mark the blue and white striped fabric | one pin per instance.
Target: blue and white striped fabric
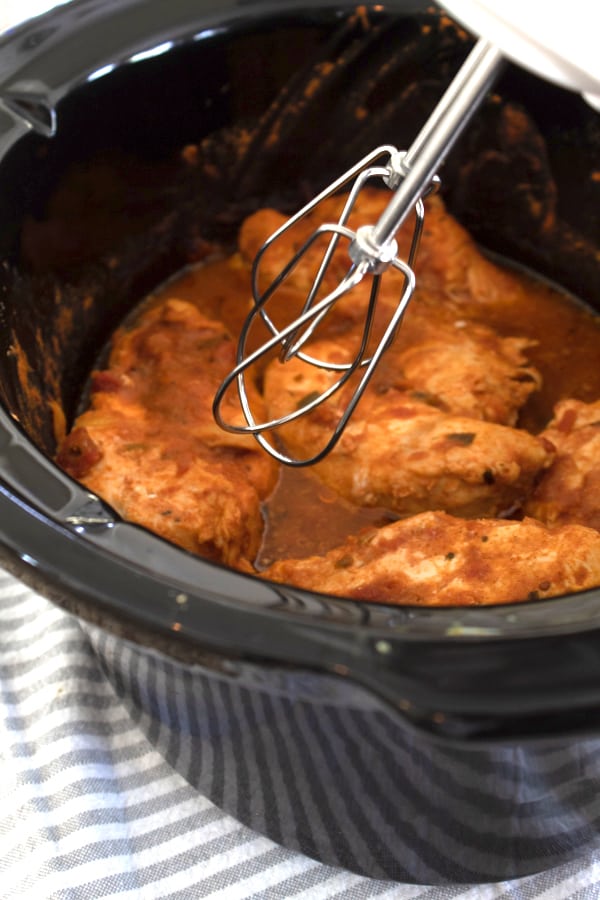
(102, 792)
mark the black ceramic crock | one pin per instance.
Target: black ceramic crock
(103, 96)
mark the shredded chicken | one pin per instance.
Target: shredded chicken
(439, 560)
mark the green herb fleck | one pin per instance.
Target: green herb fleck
(463, 438)
(307, 399)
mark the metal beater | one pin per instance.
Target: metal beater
(372, 249)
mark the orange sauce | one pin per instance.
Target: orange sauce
(303, 517)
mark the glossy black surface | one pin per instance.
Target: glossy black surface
(124, 86)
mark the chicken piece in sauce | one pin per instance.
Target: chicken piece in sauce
(466, 370)
(462, 365)
(150, 447)
(570, 489)
(448, 263)
(436, 560)
(404, 454)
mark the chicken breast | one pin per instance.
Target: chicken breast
(435, 559)
(150, 447)
(402, 453)
(470, 371)
(448, 263)
(570, 489)
(463, 366)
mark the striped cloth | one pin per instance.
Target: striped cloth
(102, 793)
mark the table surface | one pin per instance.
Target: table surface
(92, 808)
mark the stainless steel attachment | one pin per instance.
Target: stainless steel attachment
(371, 250)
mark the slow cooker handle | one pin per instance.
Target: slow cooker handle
(481, 692)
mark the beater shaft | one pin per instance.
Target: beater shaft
(438, 136)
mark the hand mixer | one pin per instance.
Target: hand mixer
(526, 33)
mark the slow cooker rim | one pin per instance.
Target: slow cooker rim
(437, 687)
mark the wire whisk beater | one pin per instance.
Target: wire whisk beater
(371, 250)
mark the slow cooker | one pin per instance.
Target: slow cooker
(422, 742)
